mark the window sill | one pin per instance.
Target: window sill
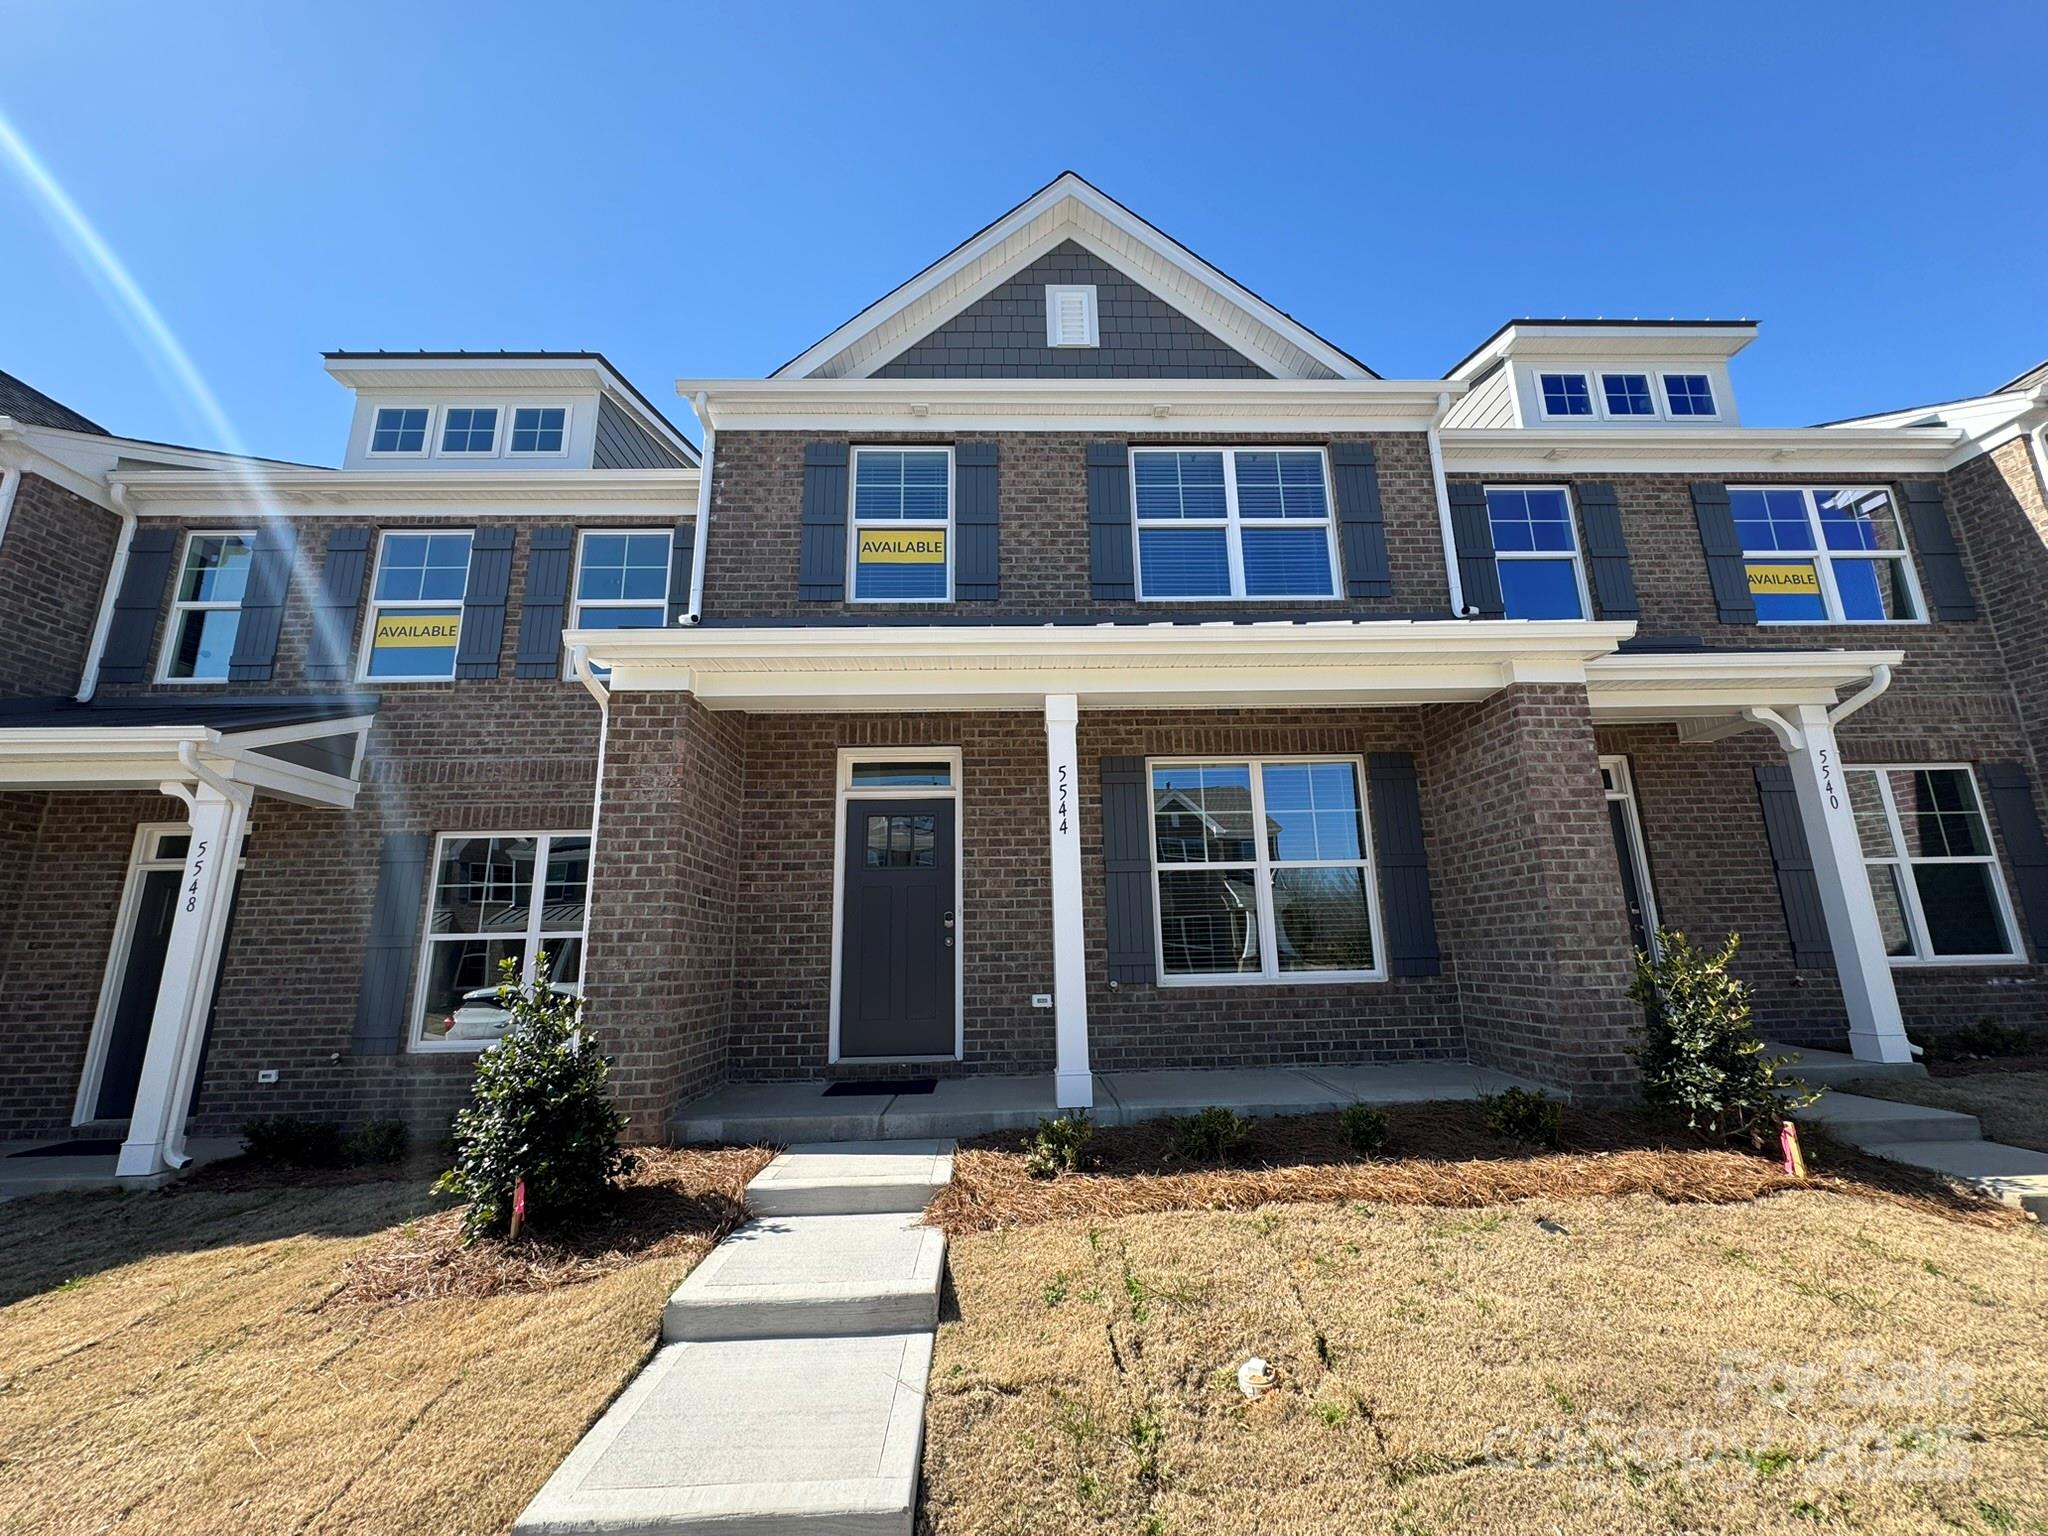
(449, 1047)
(1943, 962)
(1295, 979)
(1842, 623)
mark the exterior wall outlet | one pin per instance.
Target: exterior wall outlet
(267, 1075)
(1041, 999)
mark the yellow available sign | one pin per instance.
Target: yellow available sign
(417, 631)
(1783, 581)
(902, 546)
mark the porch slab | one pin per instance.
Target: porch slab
(852, 1178)
(797, 1276)
(1831, 1069)
(52, 1173)
(1860, 1121)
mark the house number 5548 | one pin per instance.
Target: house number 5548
(198, 870)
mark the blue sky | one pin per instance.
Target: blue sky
(707, 190)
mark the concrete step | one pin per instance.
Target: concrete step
(2015, 1175)
(751, 1436)
(792, 1276)
(1831, 1069)
(1860, 1121)
(851, 1177)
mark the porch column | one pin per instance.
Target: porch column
(1876, 1032)
(170, 1062)
(1073, 1083)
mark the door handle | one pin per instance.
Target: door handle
(949, 920)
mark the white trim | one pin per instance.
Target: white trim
(142, 861)
(577, 604)
(514, 489)
(146, 757)
(1662, 448)
(1073, 1081)
(1621, 789)
(843, 790)
(1823, 559)
(1233, 524)
(366, 646)
(426, 448)
(178, 608)
(1057, 294)
(1903, 863)
(853, 522)
(1576, 554)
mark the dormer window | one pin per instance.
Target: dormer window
(1689, 394)
(1070, 317)
(539, 428)
(399, 429)
(1628, 394)
(1565, 394)
(471, 429)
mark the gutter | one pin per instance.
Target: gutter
(700, 535)
(1869, 693)
(117, 573)
(1459, 608)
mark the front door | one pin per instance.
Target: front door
(142, 968)
(897, 996)
(1628, 852)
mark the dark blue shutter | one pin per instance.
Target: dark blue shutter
(334, 605)
(2012, 797)
(1613, 578)
(976, 561)
(1111, 565)
(263, 600)
(483, 603)
(821, 562)
(545, 602)
(1127, 871)
(682, 558)
(1722, 545)
(1472, 534)
(385, 997)
(1403, 865)
(138, 605)
(1805, 923)
(1934, 544)
(1361, 524)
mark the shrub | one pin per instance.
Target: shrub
(1699, 1052)
(541, 1111)
(289, 1141)
(378, 1141)
(1365, 1128)
(1526, 1116)
(1216, 1135)
(1059, 1144)
(1985, 1038)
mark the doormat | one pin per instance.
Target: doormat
(106, 1148)
(881, 1087)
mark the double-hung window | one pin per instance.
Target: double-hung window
(206, 609)
(1262, 871)
(1233, 523)
(539, 429)
(1933, 868)
(399, 429)
(1536, 550)
(416, 607)
(1565, 394)
(512, 897)
(902, 519)
(1826, 554)
(470, 430)
(622, 579)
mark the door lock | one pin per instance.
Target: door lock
(949, 920)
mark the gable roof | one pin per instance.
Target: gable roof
(1069, 208)
(2038, 374)
(30, 407)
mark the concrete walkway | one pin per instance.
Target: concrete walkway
(788, 1392)
(25, 1169)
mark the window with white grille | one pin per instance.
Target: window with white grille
(1070, 315)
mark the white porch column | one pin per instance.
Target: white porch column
(1876, 1031)
(170, 1062)
(1073, 1083)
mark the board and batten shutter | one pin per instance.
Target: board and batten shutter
(483, 603)
(125, 658)
(1722, 545)
(1472, 534)
(1941, 560)
(1361, 522)
(385, 995)
(545, 604)
(682, 567)
(1112, 566)
(2012, 798)
(977, 564)
(821, 559)
(1805, 923)
(1402, 864)
(1127, 871)
(1607, 562)
(263, 600)
(335, 603)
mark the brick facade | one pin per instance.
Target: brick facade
(53, 567)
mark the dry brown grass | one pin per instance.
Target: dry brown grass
(2013, 1106)
(203, 1361)
(1439, 1154)
(1433, 1363)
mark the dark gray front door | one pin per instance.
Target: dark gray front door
(896, 994)
(135, 1004)
(1631, 880)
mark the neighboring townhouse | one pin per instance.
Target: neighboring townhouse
(1070, 662)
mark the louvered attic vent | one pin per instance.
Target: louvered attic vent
(1070, 315)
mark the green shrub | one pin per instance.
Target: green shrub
(378, 1141)
(1698, 1050)
(1216, 1135)
(1526, 1116)
(1365, 1128)
(1059, 1144)
(541, 1111)
(290, 1141)
(1987, 1038)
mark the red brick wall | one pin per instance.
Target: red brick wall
(53, 566)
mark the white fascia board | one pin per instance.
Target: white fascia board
(1729, 450)
(290, 492)
(1665, 686)
(30, 450)
(144, 756)
(1608, 343)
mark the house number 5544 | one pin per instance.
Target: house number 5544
(1060, 801)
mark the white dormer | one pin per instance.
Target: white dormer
(500, 411)
(1577, 374)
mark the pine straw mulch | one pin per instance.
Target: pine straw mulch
(1439, 1154)
(677, 1203)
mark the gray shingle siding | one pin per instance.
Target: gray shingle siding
(1002, 334)
(622, 443)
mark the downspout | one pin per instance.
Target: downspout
(579, 662)
(116, 574)
(1443, 508)
(1880, 679)
(700, 535)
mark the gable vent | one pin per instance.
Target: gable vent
(1070, 315)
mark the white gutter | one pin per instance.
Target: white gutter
(701, 534)
(1443, 508)
(116, 574)
(579, 666)
(1880, 679)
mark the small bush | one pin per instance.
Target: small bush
(378, 1141)
(1059, 1144)
(1365, 1128)
(1216, 1135)
(1987, 1039)
(1523, 1115)
(541, 1111)
(1699, 1051)
(290, 1141)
